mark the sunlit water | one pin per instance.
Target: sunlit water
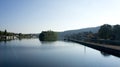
(33, 53)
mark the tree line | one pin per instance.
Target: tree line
(5, 34)
(106, 32)
(109, 32)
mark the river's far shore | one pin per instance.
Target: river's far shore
(110, 49)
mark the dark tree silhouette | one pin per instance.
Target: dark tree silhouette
(48, 36)
(5, 32)
(105, 31)
(0, 33)
(20, 34)
(116, 32)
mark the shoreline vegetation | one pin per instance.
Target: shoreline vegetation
(106, 39)
(107, 34)
(6, 36)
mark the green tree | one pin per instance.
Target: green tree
(5, 32)
(42, 36)
(105, 31)
(0, 33)
(48, 36)
(20, 34)
(116, 32)
(10, 34)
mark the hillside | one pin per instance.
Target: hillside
(69, 32)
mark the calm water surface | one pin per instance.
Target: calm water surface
(33, 53)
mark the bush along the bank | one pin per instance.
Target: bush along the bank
(48, 36)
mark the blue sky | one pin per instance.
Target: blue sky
(33, 16)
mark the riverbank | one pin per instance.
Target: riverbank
(110, 49)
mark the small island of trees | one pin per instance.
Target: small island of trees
(48, 36)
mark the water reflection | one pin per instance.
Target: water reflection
(105, 54)
(52, 45)
(4, 42)
(47, 42)
(85, 49)
(35, 53)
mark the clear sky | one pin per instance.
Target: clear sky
(33, 16)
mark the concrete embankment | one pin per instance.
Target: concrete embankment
(110, 49)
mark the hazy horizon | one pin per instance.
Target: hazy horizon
(34, 16)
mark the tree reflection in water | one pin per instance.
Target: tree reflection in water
(105, 54)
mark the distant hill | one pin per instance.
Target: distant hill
(69, 32)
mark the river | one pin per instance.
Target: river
(34, 53)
